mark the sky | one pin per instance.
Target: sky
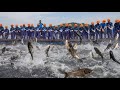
(55, 18)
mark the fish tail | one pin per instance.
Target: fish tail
(31, 55)
(66, 75)
(102, 57)
(117, 61)
(47, 55)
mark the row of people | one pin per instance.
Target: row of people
(92, 31)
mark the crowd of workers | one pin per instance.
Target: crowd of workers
(97, 30)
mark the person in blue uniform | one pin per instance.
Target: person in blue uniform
(70, 32)
(86, 31)
(98, 30)
(1, 30)
(40, 24)
(116, 27)
(28, 31)
(64, 31)
(82, 31)
(66, 35)
(44, 29)
(56, 33)
(49, 32)
(6, 32)
(76, 28)
(92, 31)
(16, 31)
(12, 31)
(32, 31)
(103, 29)
(109, 26)
(24, 32)
(119, 28)
(37, 32)
(61, 31)
(21, 31)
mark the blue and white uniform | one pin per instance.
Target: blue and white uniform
(1, 31)
(6, 33)
(12, 32)
(109, 26)
(98, 30)
(76, 30)
(103, 30)
(92, 32)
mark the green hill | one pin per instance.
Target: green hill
(72, 23)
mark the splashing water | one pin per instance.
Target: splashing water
(59, 58)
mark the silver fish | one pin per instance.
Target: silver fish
(80, 72)
(112, 57)
(30, 47)
(71, 50)
(47, 50)
(98, 52)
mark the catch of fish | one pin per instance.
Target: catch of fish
(35, 60)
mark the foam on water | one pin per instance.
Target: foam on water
(59, 58)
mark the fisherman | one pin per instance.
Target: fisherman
(1, 30)
(21, 31)
(67, 36)
(6, 32)
(109, 28)
(24, 32)
(92, 31)
(116, 27)
(97, 30)
(32, 31)
(51, 32)
(56, 32)
(82, 30)
(70, 32)
(28, 31)
(65, 31)
(12, 31)
(103, 29)
(48, 33)
(40, 24)
(37, 32)
(16, 31)
(61, 31)
(44, 29)
(76, 28)
(86, 31)
(119, 28)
